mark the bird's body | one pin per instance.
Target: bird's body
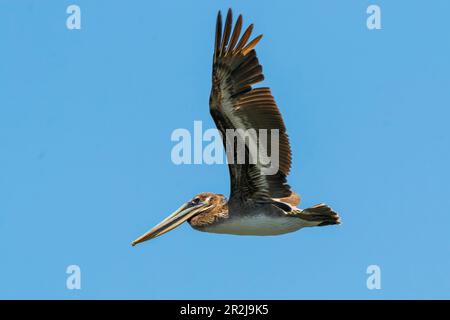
(256, 219)
(259, 224)
(263, 222)
(261, 202)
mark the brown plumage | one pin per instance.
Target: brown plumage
(218, 211)
(293, 199)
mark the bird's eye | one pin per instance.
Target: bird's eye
(195, 201)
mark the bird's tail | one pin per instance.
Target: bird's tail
(320, 215)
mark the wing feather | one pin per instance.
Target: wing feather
(226, 32)
(235, 36)
(244, 38)
(235, 104)
(218, 37)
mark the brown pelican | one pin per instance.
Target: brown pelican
(259, 204)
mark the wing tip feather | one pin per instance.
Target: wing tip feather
(228, 40)
(251, 45)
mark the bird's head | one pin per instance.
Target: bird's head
(205, 208)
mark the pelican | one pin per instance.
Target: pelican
(259, 204)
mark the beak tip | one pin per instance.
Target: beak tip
(175, 219)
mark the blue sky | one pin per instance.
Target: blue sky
(85, 123)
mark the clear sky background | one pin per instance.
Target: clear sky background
(85, 123)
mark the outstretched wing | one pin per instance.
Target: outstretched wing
(235, 104)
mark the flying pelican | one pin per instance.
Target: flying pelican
(258, 204)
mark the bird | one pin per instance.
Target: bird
(259, 204)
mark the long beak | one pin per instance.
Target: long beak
(185, 212)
